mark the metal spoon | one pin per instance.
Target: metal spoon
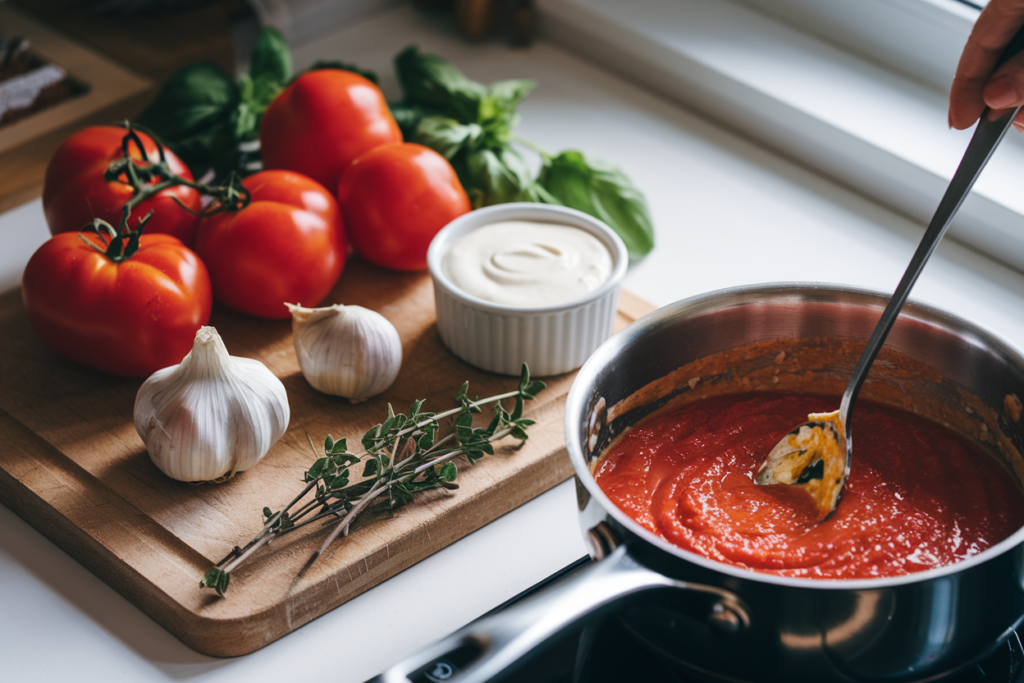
(817, 454)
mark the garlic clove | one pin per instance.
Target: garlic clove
(212, 415)
(347, 351)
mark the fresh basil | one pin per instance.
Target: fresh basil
(203, 115)
(192, 114)
(429, 81)
(471, 125)
(271, 61)
(491, 173)
(602, 191)
(447, 136)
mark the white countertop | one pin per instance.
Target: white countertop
(727, 213)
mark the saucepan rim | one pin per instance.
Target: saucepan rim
(577, 404)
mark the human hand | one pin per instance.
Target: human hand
(978, 84)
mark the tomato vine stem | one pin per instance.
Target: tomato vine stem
(148, 178)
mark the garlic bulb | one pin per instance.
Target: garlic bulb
(212, 415)
(347, 351)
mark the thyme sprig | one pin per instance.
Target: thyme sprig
(402, 456)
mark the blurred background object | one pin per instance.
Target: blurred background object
(128, 8)
(28, 83)
(155, 38)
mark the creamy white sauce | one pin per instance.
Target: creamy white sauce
(528, 263)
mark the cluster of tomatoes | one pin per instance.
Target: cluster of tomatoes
(338, 174)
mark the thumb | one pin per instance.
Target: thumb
(1005, 89)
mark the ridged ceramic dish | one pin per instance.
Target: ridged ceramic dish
(500, 338)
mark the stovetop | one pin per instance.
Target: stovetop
(602, 651)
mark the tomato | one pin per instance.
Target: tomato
(127, 318)
(75, 192)
(394, 199)
(322, 122)
(288, 245)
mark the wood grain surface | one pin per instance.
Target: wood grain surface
(73, 466)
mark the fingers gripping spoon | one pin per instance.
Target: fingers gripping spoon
(817, 454)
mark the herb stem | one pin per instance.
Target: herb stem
(544, 154)
(403, 456)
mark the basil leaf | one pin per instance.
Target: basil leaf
(518, 169)
(497, 113)
(271, 60)
(604, 192)
(446, 136)
(408, 117)
(192, 114)
(344, 66)
(269, 71)
(430, 81)
(494, 176)
(508, 94)
(535, 192)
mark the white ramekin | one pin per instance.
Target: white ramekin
(499, 338)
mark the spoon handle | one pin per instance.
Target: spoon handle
(986, 137)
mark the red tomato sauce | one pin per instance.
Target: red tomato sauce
(919, 496)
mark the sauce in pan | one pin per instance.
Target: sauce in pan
(919, 496)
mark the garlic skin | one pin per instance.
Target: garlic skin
(212, 415)
(347, 351)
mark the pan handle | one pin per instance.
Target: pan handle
(488, 646)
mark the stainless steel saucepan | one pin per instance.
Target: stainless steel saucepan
(722, 622)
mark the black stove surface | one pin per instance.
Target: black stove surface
(602, 651)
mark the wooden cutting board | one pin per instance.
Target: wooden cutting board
(73, 466)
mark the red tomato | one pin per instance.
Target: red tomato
(322, 122)
(287, 245)
(395, 199)
(74, 191)
(128, 319)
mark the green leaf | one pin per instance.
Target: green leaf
(408, 117)
(429, 81)
(533, 388)
(604, 192)
(271, 60)
(193, 115)
(217, 579)
(517, 412)
(449, 471)
(344, 66)
(316, 470)
(269, 71)
(489, 180)
(524, 376)
(414, 409)
(535, 192)
(371, 468)
(508, 94)
(446, 136)
(328, 444)
(267, 514)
